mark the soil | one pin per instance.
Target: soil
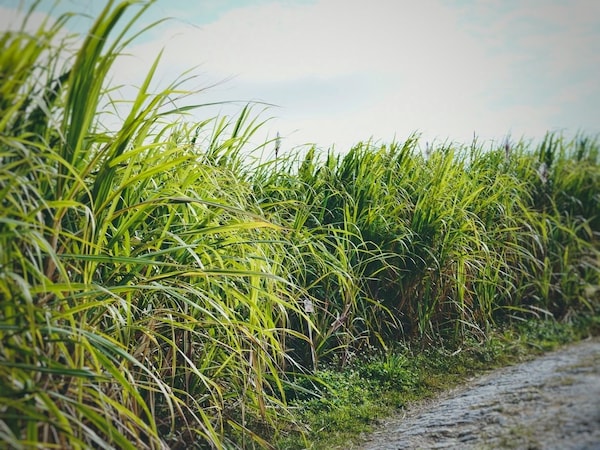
(551, 402)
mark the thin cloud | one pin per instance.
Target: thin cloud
(407, 61)
(345, 70)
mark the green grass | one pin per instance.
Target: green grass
(154, 276)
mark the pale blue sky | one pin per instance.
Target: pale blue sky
(341, 71)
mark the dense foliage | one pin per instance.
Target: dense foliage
(158, 287)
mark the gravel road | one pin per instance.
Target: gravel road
(552, 402)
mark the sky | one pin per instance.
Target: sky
(337, 72)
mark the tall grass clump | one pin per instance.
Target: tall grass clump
(141, 302)
(397, 243)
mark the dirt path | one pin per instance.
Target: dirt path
(552, 402)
